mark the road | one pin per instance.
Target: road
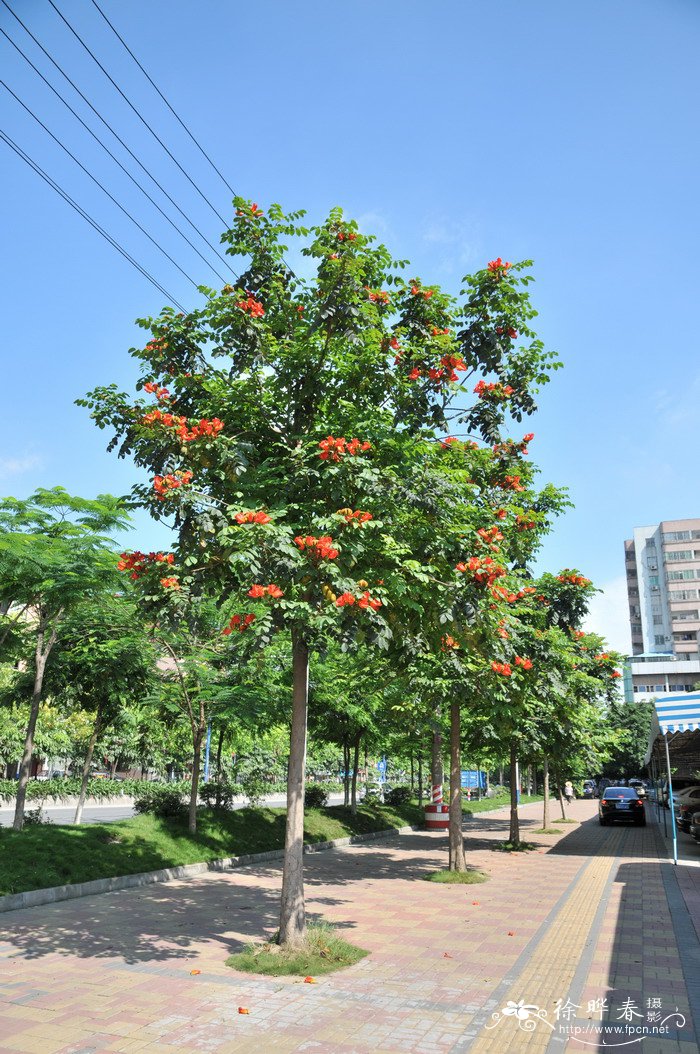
(110, 813)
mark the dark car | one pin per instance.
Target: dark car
(621, 803)
(685, 813)
(590, 789)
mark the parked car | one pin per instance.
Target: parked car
(679, 783)
(602, 785)
(687, 796)
(639, 785)
(590, 790)
(695, 826)
(621, 803)
(685, 811)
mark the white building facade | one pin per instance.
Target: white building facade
(662, 565)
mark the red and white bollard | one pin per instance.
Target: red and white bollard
(437, 815)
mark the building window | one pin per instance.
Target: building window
(685, 616)
(659, 638)
(679, 554)
(676, 536)
(677, 576)
(683, 594)
(658, 620)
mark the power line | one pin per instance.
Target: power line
(116, 135)
(86, 216)
(157, 89)
(137, 112)
(97, 182)
(108, 151)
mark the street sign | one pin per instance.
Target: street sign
(473, 779)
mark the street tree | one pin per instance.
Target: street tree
(290, 421)
(55, 551)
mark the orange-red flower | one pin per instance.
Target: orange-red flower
(251, 306)
(355, 517)
(334, 449)
(498, 267)
(569, 578)
(319, 548)
(240, 623)
(164, 485)
(501, 667)
(252, 516)
(256, 591)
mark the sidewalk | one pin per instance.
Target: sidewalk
(591, 919)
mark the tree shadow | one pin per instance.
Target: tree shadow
(160, 923)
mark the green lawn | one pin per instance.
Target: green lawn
(487, 804)
(54, 855)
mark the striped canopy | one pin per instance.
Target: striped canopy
(678, 713)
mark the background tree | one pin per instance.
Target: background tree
(104, 660)
(54, 553)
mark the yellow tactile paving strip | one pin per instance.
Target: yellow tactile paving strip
(548, 975)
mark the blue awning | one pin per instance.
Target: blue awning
(678, 713)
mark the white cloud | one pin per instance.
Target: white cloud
(15, 466)
(608, 615)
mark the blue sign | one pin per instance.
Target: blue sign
(381, 765)
(473, 779)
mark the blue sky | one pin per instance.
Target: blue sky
(458, 131)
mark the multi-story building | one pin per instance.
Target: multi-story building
(662, 565)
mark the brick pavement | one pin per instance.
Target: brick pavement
(585, 917)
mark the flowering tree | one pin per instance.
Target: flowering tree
(287, 441)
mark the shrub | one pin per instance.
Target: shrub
(316, 795)
(35, 817)
(217, 794)
(398, 796)
(373, 794)
(164, 801)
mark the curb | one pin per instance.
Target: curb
(34, 898)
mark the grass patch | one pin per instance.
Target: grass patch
(322, 952)
(464, 878)
(511, 847)
(56, 855)
(567, 820)
(470, 808)
(546, 830)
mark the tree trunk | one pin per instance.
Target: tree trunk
(346, 771)
(412, 780)
(197, 737)
(545, 793)
(292, 913)
(436, 766)
(41, 655)
(88, 763)
(514, 836)
(219, 747)
(113, 767)
(500, 775)
(420, 780)
(355, 765)
(457, 861)
(560, 793)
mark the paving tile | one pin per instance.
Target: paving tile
(590, 917)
